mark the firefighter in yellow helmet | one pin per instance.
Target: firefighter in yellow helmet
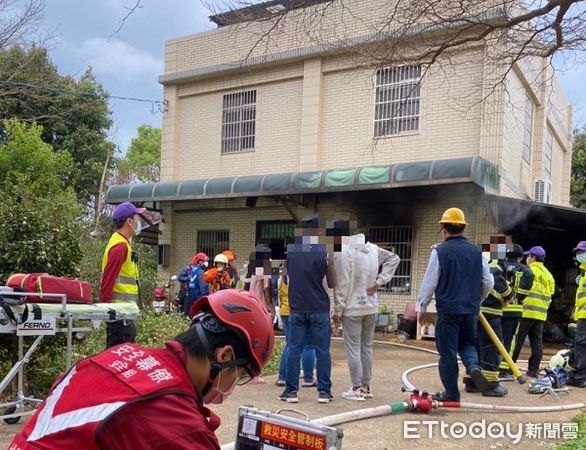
(460, 278)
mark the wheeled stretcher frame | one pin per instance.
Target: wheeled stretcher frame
(12, 411)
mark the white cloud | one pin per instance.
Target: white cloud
(119, 60)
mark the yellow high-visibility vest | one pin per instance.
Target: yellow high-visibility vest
(580, 310)
(126, 285)
(284, 300)
(538, 300)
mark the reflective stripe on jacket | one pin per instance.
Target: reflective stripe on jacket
(126, 285)
(521, 279)
(72, 415)
(537, 302)
(499, 295)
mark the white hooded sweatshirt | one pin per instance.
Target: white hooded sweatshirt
(357, 268)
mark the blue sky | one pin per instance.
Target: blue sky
(129, 63)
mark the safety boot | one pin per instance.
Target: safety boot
(479, 380)
(470, 387)
(495, 390)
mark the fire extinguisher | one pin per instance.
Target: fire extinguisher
(161, 303)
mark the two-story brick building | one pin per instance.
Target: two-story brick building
(256, 137)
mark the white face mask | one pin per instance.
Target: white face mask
(138, 228)
(581, 257)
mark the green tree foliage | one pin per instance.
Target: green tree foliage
(578, 186)
(41, 220)
(74, 113)
(143, 160)
(49, 360)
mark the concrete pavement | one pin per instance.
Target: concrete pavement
(388, 432)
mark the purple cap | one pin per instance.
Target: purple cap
(536, 251)
(125, 210)
(581, 247)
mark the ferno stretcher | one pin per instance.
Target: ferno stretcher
(47, 320)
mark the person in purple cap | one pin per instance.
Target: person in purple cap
(120, 271)
(578, 355)
(535, 308)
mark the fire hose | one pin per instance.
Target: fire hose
(419, 401)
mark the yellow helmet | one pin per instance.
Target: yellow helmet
(453, 215)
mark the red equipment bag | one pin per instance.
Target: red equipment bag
(77, 291)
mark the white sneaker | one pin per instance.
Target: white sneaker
(366, 392)
(354, 394)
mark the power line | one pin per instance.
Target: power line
(161, 105)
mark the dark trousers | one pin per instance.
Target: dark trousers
(490, 358)
(509, 325)
(306, 328)
(578, 355)
(534, 329)
(119, 332)
(455, 334)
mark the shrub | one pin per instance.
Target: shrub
(49, 359)
(580, 442)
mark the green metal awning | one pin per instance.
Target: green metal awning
(472, 170)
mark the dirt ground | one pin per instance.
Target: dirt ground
(390, 431)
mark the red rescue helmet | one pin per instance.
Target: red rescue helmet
(201, 256)
(242, 311)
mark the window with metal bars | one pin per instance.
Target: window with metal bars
(238, 121)
(398, 240)
(397, 101)
(213, 242)
(528, 129)
(276, 234)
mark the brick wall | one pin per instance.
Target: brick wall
(241, 221)
(299, 29)
(199, 132)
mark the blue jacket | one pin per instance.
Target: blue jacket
(192, 276)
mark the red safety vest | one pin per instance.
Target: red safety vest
(98, 387)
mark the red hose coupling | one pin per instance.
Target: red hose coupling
(421, 402)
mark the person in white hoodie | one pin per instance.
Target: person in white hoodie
(362, 268)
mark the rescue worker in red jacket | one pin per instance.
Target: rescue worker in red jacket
(120, 270)
(134, 397)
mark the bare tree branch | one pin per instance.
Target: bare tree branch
(19, 23)
(453, 24)
(131, 10)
